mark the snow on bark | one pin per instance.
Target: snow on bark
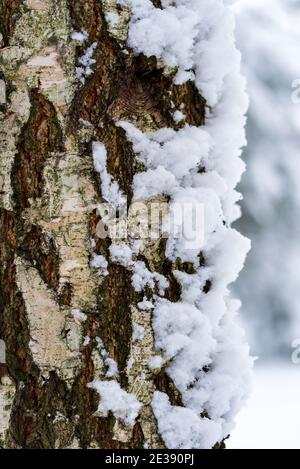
(109, 188)
(123, 405)
(208, 359)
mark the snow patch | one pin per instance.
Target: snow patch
(138, 332)
(99, 263)
(87, 341)
(80, 36)
(110, 363)
(143, 277)
(110, 188)
(145, 304)
(121, 254)
(181, 428)
(85, 63)
(79, 315)
(112, 18)
(123, 405)
(156, 362)
(178, 116)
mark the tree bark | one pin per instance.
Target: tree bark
(48, 194)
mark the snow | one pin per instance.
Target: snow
(110, 363)
(191, 431)
(99, 262)
(110, 188)
(80, 36)
(87, 341)
(193, 216)
(191, 36)
(207, 366)
(138, 332)
(121, 254)
(209, 359)
(123, 405)
(271, 418)
(84, 68)
(112, 367)
(145, 304)
(112, 18)
(143, 277)
(153, 182)
(178, 116)
(184, 335)
(79, 315)
(163, 149)
(86, 61)
(130, 363)
(156, 362)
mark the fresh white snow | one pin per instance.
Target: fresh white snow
(79, 315)
(80, 36)
(110, 363)
(181, 428)
(143, 277)
(121, 254)
(86, 61)
(110, 188)
(123, 405)
(100, 263)
(138, 332)
(178, 116)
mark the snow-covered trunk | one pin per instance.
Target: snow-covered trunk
(109, 343)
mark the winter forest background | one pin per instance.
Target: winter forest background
(268, 35)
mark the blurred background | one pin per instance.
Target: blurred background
(268, 35)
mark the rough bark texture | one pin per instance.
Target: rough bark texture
(48, 193)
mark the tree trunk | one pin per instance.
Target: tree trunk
(62, 320)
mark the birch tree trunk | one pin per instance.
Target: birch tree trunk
(49, 191)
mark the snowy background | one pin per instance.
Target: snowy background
(268, 35)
